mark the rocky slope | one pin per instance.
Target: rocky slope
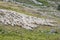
(13, 18)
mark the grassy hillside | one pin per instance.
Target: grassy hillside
(44, 2)
(21, 9)
(8, 32)
(18, 33)
(18, 8)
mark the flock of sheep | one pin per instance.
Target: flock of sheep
(8, 17)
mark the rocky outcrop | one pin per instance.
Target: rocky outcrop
(36, 2)
(13, 18)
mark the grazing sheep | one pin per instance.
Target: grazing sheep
(14, 18)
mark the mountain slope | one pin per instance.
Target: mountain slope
(41, 32)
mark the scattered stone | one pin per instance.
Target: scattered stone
(53, 31)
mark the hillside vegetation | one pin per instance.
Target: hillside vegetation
(18, 8)
(42, 32)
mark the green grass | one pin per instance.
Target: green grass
(10, 33)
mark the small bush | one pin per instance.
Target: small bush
(58, 7)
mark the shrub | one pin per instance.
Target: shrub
(58, 7)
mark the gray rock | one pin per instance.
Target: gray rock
(53, 31)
